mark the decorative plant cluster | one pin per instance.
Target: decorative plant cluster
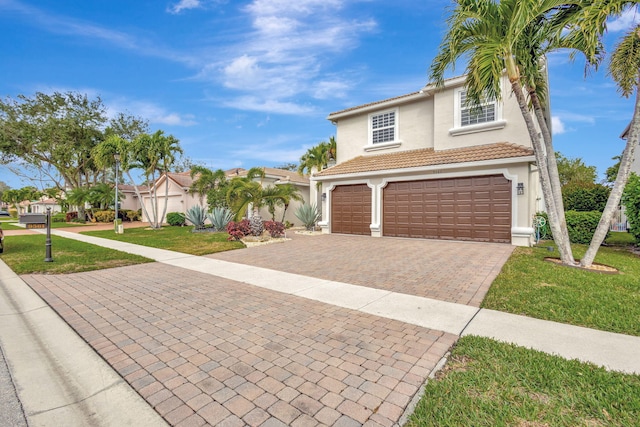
(176, 219)
(238, 230)
(275, 228)
(71, 216)
(104, 216)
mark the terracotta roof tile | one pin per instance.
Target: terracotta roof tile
(427, 157)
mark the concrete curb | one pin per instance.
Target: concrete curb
(59, 379)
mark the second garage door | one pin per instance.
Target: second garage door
(351, 209)
(473, 208)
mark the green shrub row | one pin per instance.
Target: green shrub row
(585, 198)
(581, 225)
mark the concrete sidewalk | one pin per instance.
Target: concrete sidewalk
(42, 351)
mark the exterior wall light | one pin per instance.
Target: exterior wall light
(520, 188)
(324, 197)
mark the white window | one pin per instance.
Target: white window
(467, 119)
(483, 113)
(383, 127)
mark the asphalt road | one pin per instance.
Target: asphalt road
(10, 408)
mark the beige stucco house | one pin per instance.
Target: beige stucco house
(180, 200)
(423, 165)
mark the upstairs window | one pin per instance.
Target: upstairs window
(483, 113)
(383, 127)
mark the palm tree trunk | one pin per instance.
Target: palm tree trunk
(538, 150)
(552, 166)
(166, 198)
(618, 187)
(137, 190)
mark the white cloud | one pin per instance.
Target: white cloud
(254, 103)
(155, 114)
(286, 53)
(625, 21)
(557, 126)
(184, 5)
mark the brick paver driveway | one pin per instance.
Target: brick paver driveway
(459, 272)
(206, 350)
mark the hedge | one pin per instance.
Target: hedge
(581, 225)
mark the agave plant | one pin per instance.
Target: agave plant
(309, 215)
(220, 218)
(196, 215)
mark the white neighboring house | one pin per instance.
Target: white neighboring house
(274, 176)
(179, 199)
(40, 206)
(424, 165)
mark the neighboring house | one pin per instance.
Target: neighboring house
(40, 206)
(275, 176)
(423, 165)
(128, 197)
(179, 199)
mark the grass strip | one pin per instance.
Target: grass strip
(488, 383)
(25, 255)
(179, 239)
(530, 286)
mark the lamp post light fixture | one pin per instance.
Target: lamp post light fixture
(116, 223)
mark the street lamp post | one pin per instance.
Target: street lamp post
(116, 222)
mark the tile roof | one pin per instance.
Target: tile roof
(427, 157)
(282, 174)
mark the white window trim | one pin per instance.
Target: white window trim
(387, 144)
(458, 129)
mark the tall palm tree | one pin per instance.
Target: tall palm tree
(497, 38)
(243, 193)
(624, 68)
(287, 193)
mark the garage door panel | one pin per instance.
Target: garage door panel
(475, 208)
(351, 209)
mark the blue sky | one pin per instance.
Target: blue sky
(250, 83)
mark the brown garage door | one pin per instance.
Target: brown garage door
(475, 208)
(351, 209)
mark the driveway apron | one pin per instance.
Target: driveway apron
(203, 349)
(452, 271)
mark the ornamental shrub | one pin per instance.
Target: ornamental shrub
(176, 219)
(631, 202)
(585, 197)
(59, 217)
(70, 216)
(132, 215)
(238, 230)
(104, 216)
(581, 225)
(275, 228)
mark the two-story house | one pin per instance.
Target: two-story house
(425, 165)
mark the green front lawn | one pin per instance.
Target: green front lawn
(487, 383)
(530, 286)
(25, 254)
(179, 239)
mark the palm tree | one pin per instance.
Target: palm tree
(78, 196)
(624, 68)
(287, 193)
(513, 35)
(243, 193)
(315, 159)
(207, 182)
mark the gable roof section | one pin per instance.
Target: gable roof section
(427, 157)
